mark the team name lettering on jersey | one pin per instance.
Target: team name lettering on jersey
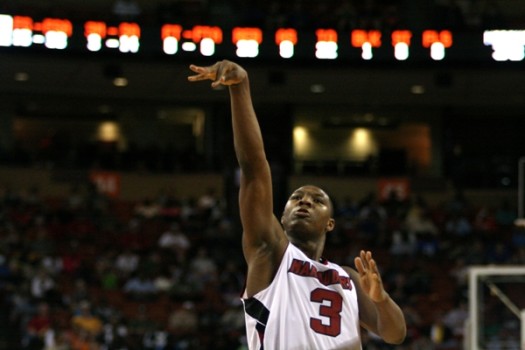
(331, 276)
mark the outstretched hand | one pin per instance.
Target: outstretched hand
(221, 73)
(369, 277)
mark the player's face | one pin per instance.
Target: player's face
(308, 209)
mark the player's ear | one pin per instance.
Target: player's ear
(330, 225)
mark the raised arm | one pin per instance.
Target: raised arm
(263, 238)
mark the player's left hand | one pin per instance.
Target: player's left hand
(369, 277)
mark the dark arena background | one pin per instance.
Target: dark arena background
(118, 180)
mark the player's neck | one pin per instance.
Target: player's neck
(312, 249)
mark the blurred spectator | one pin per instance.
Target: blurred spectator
(104, 309)
(440, 333)
(37, 328)
(106, 271)
(114, 334)
(458, 227)
(82, 340)
(498, 253)
(414, 327)
(78, 293)
(71, 259)
(426, 234)
(485, 221)
(53, 264)
(147, 209)
(402, 243)
(416, 205)
(459, 272)
(155, 340)
(175, 241)
(126, 263)
(170, 208)
(164, 281)
(207, 203)
(75, 200)
(59, 340)
(202, 268)
(135, 237)
(140, 287)
(455, 319)
(372, 217)
(140, 324)
(231, 282)
(184, 320)
(348, 208)
(109, 279)
(86, 325)
(22, 306)
(232, 320)
(400, 287)
(42, 286)
(395, 208)
(188, 210)
(185, 287)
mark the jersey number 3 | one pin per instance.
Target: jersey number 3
(332, 312)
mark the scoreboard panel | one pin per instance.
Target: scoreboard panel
(286, 44)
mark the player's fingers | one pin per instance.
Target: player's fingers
(196, 78)
(195, 68)
(359, 265)
(220, 80)
(372, 264)
(203, 73)
(220, 74)
(376, 288)
(365, 259)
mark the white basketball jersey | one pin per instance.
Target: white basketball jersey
(309, 305)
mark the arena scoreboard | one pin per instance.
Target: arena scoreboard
(324, 44)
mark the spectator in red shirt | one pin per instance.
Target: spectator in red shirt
(37, 327)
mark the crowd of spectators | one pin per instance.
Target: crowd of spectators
(87, 272)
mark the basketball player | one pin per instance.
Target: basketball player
(295, 299)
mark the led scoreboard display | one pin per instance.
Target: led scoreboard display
(23, 31)
(125, 37)
(172, 39)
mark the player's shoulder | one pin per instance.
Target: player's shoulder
(350, 270)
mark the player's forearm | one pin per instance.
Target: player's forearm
(391, 322)
(248, 142)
